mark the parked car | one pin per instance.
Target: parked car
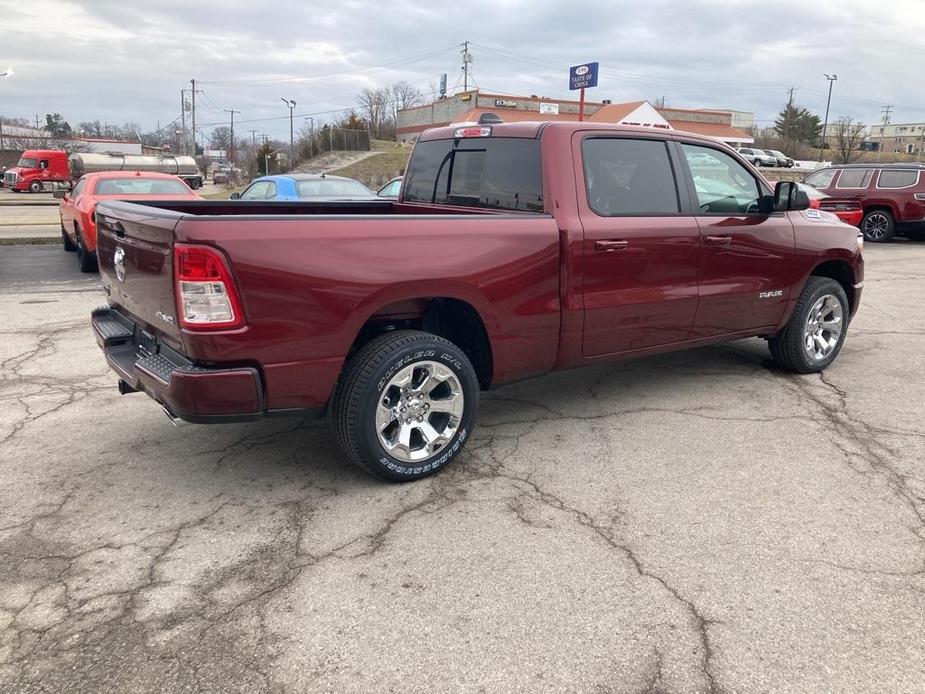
(782, 159)
(848, 211)
(892, 196)
(77, 207)
(222, 175)
(304, 186)
(391, 189)
(758, 157)
(513, 250)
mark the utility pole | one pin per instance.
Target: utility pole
(182, 143)
(790, 99)
(885, 115)
(467, 59)
(193, 112)
(311, 135)
(231, 150)
(825, 123)
(254, 139)
(290, 104)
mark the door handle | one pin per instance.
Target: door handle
(718, 240)
(610, 246)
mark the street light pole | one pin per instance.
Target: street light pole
(825, 123)
(290, 104)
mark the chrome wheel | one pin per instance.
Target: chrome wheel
(824, 326)
(876, 226)
(419, 411)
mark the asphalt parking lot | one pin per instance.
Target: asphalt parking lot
(685, 523)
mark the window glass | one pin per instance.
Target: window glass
(821, 179)
(625, 176)
(322, 188)
(140, 186)
(256, 191)
(853, 178)
(723, 186)
(390, 189)
(897, 179)
(26, 163)
(78, 189)
(495, 172)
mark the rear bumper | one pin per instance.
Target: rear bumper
(187, 391)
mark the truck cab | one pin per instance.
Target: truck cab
(38, 170)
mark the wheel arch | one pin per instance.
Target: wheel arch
(840, 271)
(451, 317)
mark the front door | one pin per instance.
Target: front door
(640, 252)
(747, 259)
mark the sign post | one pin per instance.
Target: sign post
(582, 77)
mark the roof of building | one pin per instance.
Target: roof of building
(513, 115)
(719, 130)
(614, 113)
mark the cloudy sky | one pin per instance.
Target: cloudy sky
(118, 61)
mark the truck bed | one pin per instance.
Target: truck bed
(312, 274)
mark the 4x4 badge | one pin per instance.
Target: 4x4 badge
(118, 263)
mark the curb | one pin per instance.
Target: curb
(39, 241)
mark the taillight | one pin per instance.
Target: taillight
(206, 295)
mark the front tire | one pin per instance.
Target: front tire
(35, 187)
(405, 405)
(878, 226)
(816, 331)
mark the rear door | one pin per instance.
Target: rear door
(747, 259)
(135, 254)
(640, 252)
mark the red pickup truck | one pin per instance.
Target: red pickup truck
(513, 250)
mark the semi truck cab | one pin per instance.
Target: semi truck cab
(38, 170)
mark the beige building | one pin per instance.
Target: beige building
(468, 106)
(908, 138)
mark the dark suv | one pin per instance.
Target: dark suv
(892, 196)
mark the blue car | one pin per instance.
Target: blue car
(305, 187)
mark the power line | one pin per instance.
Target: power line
(330, 76)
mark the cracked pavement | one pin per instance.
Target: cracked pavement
(694, 522)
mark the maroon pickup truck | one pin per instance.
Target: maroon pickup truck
(513, 250)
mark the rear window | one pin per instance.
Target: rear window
(628, 177)
(493, 172)
(140, 186)
(853, 178)
(332, 188)
(898, 179)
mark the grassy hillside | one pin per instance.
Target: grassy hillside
(375, 171)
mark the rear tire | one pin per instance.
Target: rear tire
(86, 260)
(66, 241)
(805, 345)
(401, 396)
(878, 226)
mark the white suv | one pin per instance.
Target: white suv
(757, 157)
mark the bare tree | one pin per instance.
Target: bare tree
(848, 136)
(404, 95)
(374, 106)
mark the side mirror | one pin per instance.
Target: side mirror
(788, 197)
(60, 194)
(234, 196)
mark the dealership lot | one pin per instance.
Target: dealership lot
(690, 522)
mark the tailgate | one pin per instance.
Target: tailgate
(134, 248)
